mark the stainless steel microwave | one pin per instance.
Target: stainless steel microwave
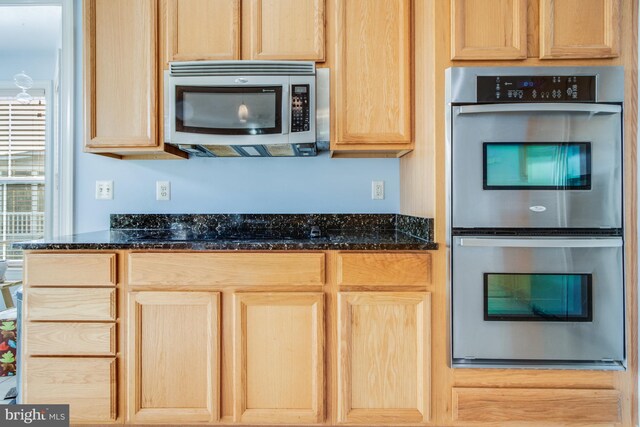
(242, 108)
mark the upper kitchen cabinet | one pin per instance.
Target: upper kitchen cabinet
(579, 29)
(488, 29)
(196, 30)
(249, 29)
(121, 79)
(371, 83)
(286, 30)
(567, 29)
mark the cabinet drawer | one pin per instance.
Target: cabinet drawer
(71, 339)
(502, 405)
(71, 304)
(88, 385)
(70, 269)
(201, 269)
(384, 269)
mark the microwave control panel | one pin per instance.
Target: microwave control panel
(300, 108)
(536, 88)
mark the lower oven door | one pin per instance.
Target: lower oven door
(535, 300)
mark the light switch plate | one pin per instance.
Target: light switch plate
(104, 190)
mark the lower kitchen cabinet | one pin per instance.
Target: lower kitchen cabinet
(87, 385)
(279, 358)
(384, 357)
(173, 369)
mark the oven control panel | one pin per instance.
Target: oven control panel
(300, 108)
(536, 88)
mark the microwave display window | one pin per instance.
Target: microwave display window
(537, 166)
(229, 110)
(537, 297)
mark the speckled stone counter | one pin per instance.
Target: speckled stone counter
(252, 232)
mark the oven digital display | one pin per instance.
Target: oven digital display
(536, 88)
(537, 297)
(537, 166)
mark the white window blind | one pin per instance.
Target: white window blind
(22, 171)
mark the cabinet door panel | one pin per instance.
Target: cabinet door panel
(383, 357)
(202, 30)
(121, 78)
(579, 28)
(373, 63)
(88, 385)
(175, 374)
(279, 347)
(287, 29)
(488, 29)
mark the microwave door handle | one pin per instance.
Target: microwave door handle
(286, 109)
(613, 242)
(531, 107)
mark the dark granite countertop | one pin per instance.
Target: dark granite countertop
(252, 232)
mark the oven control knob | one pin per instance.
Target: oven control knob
(537, 208)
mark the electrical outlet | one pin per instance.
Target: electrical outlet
(377, 190)
(163, 190)
(104, 190)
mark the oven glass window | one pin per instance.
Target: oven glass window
(537, 297)
(537, 166)
(229, 110)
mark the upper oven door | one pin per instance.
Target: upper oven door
(537, 166)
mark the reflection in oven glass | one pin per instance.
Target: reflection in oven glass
(537, 166)
(537, 297)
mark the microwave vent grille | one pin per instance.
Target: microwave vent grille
(235, 68)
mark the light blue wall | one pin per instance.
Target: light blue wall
(39, 65)
(321, 184)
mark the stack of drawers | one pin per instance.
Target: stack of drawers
(70, 333)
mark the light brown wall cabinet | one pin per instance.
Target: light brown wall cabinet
(567, 29)
(285, 30)
(579, 28)
(489, 29)
(128, 44)
(121, 81)
(248, 29)
(200, 29)
(371, 78)
(174, 376)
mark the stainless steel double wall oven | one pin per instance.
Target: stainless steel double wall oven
(536, 217)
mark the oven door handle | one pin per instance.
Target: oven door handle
(610, 242)
(543, 108)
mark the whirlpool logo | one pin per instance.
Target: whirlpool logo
(35, 415)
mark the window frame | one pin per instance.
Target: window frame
(62, 158)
